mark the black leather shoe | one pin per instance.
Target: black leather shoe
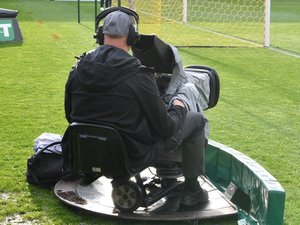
(189, 199)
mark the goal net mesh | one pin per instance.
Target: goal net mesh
(202, 22)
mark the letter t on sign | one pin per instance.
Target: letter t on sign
(5, 29)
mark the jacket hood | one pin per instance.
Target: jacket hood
(106, 67)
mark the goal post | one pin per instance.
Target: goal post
(267, 23)
(206, 22)
(184, 11)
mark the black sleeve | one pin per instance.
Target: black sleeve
(68, 96)
(164, 122)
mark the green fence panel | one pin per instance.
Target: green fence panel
(225, 166)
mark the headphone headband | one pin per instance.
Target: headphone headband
(104, 13)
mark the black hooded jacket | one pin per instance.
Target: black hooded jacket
(109, 86)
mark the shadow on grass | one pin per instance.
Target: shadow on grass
(10, 44)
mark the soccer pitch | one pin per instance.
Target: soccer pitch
(258, 111)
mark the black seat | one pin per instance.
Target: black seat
(99, 150)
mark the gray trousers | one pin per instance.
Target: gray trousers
(187, 146)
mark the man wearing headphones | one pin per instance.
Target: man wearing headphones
(110, 86)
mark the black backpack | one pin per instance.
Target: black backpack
(45, 169)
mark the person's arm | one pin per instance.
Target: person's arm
(164, 122)
(68, 97)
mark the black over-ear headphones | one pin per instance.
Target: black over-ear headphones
(133, 31)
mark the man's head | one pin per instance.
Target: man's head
(117, 24)
(117, 27)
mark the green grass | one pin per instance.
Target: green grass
(258, 112)
(285, 25)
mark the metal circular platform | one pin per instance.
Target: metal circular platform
(96, 198)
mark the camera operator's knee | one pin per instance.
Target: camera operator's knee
(195, 119)
(193, 123)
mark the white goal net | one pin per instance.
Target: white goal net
(205, 22)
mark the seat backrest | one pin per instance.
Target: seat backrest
(98, 150)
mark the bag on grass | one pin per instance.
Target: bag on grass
(44, 168)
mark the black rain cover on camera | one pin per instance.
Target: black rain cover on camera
(167, 63)
(153, 52)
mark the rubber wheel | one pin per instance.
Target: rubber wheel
(127, 196)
